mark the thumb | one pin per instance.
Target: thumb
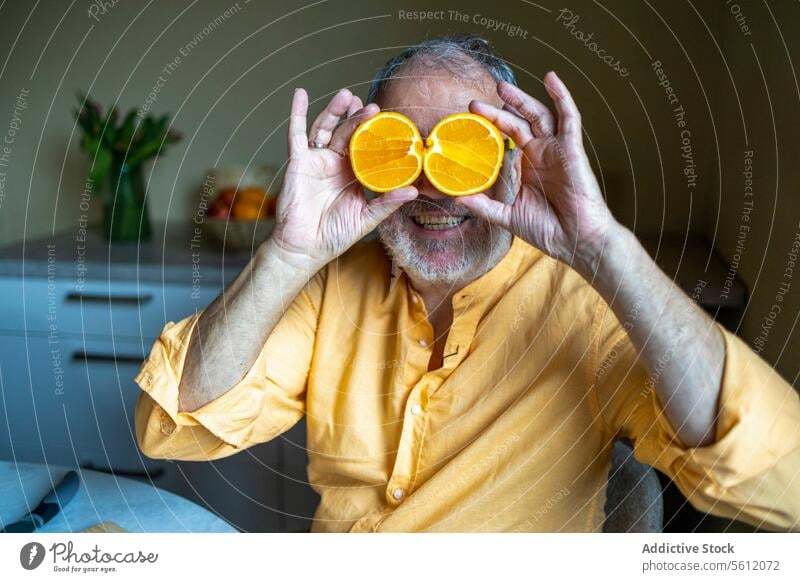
(490, 210)
(379, 208)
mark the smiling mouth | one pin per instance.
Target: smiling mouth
(429, 222)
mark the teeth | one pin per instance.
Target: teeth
(439, 222)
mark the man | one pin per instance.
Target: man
(469, 369)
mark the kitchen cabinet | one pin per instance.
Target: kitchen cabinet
(77, 319)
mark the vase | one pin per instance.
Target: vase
(125, 216)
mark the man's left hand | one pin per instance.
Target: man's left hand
(559, 207)
(560, 210)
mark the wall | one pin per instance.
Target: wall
(758, 228)
(229, 96)
(229, 93)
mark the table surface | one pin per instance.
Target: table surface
(133, 505)
(172, 255)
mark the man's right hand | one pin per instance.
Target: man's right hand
(322, 210)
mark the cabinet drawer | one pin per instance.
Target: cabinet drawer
(121, 309)
(70, 402)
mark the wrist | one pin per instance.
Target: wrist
(601, 261)
(290, 263)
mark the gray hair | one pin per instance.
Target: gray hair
(447, 52)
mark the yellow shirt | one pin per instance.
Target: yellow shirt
(512, 433)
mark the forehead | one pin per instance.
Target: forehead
(426, 94)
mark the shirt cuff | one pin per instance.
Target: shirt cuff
(757, 425)
(228, 417)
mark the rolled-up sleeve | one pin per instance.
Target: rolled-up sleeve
(751, 472)
(267, 401)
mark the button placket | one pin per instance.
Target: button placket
(420, 315)
(462, 331)
(408, 448)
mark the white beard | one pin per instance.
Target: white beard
(485, 247)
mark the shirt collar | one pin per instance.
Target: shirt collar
(395, 274)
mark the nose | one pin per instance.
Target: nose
(424, 187)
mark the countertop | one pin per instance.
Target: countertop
(176, 253)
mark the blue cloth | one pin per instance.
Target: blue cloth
(133, 505)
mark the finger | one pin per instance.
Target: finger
(537, 113)
(518, 128)
(325, 123)
(355, 105)
(341, 136)
(296, 137)
(510, 109)
(484, 207)
(569, 118)
(381, 207)
(507, 107)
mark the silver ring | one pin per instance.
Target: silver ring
(315, 145)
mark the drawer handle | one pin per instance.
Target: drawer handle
(106, 358)
(152, 474)
(77, 297)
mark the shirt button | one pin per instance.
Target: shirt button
(416, 409)
(414, 299)
(398, 493)
(166, 425)
(423, 343)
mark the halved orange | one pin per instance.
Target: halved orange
(462, 155)
(386, 152)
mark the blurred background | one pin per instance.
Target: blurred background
(690, 117)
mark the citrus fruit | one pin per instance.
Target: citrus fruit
(386, 152)
(462, 155)
(250, 204)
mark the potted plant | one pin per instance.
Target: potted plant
(117, 153)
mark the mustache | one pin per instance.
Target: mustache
(422, 204)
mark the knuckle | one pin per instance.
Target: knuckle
(516, 101)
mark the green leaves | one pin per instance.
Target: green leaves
(153, 137)
(136, 139)
(99, 155)
(126, 130)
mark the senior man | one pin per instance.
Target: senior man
(469, 369)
